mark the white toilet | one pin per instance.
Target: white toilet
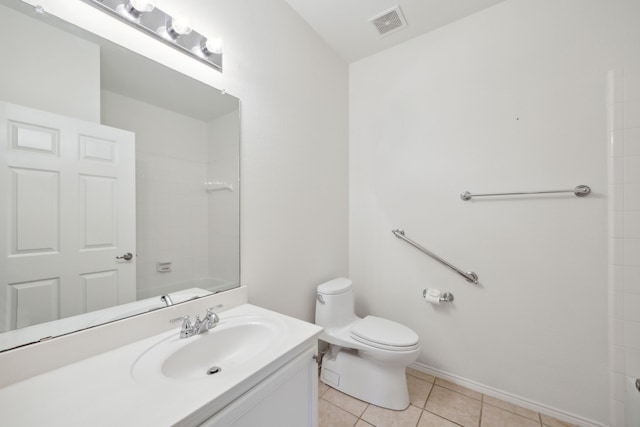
(367, 358)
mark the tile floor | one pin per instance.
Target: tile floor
(434, 403)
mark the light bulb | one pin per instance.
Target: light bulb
(178, 27)
(142, 5)
(134, 8)
(212, 45)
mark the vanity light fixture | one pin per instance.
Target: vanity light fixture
(174, 31)
(132, 9)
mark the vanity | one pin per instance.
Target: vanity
(255, 367)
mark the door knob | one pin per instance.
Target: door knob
(127, 257)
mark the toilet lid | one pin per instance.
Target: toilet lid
(383, 333)
(335, 286)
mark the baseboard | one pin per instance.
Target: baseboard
(507, 397)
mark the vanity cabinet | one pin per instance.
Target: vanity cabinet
(288, 397)
(161, 381)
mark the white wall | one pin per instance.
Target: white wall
(623, 106)
(224, 205)
(171, 201)
(48, 69)
(509, 99)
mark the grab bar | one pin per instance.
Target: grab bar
(470, 275)
(580, 191)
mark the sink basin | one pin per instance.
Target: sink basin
(233, 344)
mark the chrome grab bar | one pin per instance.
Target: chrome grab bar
(470, 275)
(580, 191)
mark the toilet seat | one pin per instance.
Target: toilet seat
(384, 334)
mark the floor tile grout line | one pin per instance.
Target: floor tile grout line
(429, 395)
(515, 413)
(420, 417)
(456, 391)
(415, 376)
(444, 418)
(346, 410)
(342, 409)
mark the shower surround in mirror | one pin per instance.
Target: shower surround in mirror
(178, 221)
(187, 134)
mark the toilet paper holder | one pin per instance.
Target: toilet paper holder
(445, 297)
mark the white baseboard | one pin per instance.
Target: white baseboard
(508, 397)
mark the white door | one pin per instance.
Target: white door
(67, 211)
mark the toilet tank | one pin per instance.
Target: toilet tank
(334, 303)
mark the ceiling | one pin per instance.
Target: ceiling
(345, 26)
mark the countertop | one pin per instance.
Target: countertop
(101, 390)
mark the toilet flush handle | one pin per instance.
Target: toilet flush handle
(320, 298)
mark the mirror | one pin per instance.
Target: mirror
(119, 181)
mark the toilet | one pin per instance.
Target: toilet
(367, 357)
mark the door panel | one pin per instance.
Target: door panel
(98, 212)
(67, 210)
(34, 302)
(101, 289)
(34, 220)
(34, 138)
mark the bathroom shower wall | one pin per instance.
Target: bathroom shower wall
(623, 108)
(224, 215)
(171, 201)
(509, 99)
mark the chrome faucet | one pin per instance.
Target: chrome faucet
(166, 298)
(189, 329)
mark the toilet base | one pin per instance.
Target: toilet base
(383, 385)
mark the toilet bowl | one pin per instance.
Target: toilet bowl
(367, 357)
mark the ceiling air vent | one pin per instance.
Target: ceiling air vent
(389, 21)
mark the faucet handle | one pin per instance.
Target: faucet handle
(187, 329)
(212, 317)
(186, 321)
(211, 313)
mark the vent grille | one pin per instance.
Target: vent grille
(389, 21)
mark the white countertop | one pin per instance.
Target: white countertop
(101, 390)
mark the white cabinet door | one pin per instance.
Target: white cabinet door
(67, 210)
(288, 397)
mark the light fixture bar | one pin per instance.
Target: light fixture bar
(143, 16)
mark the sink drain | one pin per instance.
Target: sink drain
(213, 370)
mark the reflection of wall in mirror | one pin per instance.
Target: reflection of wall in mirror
(224, 206)
(171, 167)
(178, 221)
(48, 69)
